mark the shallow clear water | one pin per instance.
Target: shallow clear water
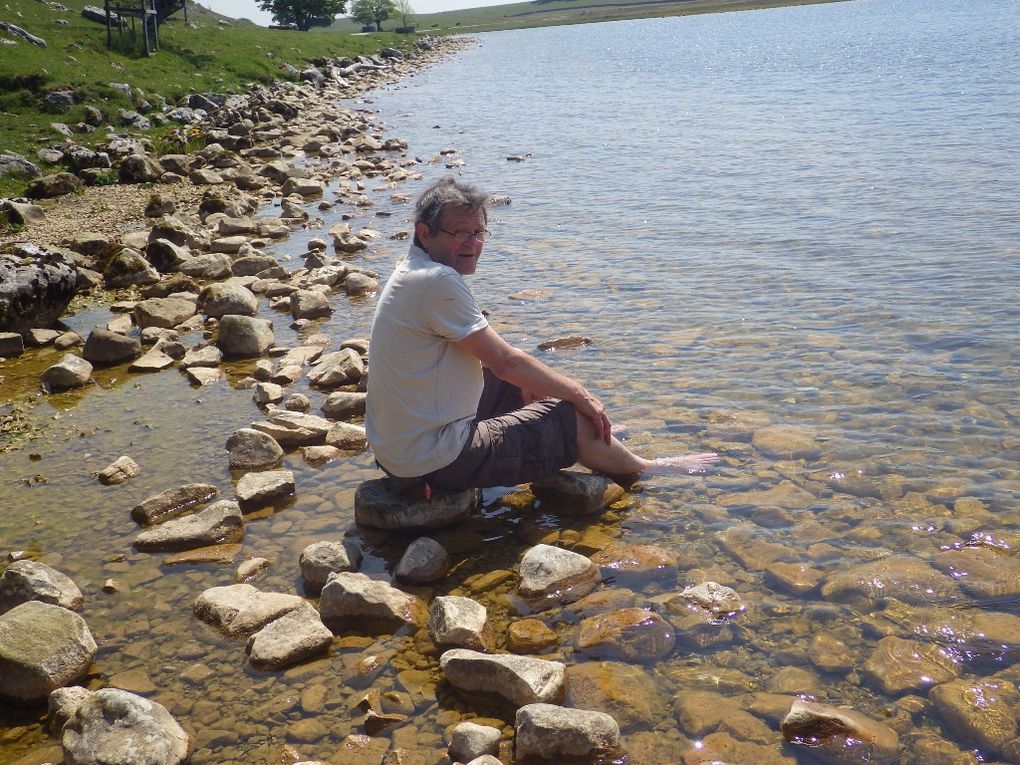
(803, 216)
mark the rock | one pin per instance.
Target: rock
(298, 402)
(176, 231)
(515, 680)
(205, 356)
(153, 361)
(250, 265)
(35, 289)
(978, 711)
(530, 636)
(360, 284)
(165, 312)
(172, 503)
(62, 705)
(208, 266)
(26, 580)
(320, 559)
(256, 490)
(249, 449)
(244, 336)
(15, 164)
(703, 615)
(897, 666)
(222, 299)
(338, 368)
(104, 347)
(202, 375)
(11, 345)
(344, 405)
(625, 691)
(786, 442)
(294, 428)
(550, 576)
(470, 740)
(56, 185)
(252, 570)
(120, 470)
(572, 493)
(40, 338)
(565, 343)
(137, 168)
(347, 436)
(425, 561)
(228, 244)
(630, 634)
(986, 573)
(22, 213)
(219, 523)
(70, 372)
(309, 304)
(355, 600)
(293, 637)
(629, 565)
(907, 579)
(839, 736)
(378, 506)
(552, 732)
(241, 610)
(830, 654)
(42, 647)
(114, 726)
(304, 187)
(457, 621)
(264, 393)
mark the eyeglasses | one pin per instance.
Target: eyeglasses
(459, 237)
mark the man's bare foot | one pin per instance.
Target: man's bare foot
(687, 463)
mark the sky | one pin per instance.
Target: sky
(249, 9)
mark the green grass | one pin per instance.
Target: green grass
(190, 60)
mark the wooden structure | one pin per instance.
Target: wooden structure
(151, 14)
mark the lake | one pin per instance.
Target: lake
(792, 237)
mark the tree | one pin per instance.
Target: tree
(372, 12)
(406, 11)
(303, 14)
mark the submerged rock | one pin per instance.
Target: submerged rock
(219, 523)
(293, 637)
(172, 503)
(786, 442)
(516, 680)
(897, 666)
(978, 711)
(635, 564)
(907, 579)
(626, 691)
(553, 732)
(630, 634)
(572, 493)
(988, 573)
(838, 735)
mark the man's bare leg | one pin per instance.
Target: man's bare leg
(615, 459)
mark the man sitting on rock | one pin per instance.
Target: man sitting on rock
(453, 406)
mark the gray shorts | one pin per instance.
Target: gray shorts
(511, 443)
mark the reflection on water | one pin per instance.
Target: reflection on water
(802, 217)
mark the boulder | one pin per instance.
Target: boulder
(338, 368)
(11, 345)
(250, 449)
(304, 187)
(153, 361)
(628, 634)
(293, 637)
(256, 490)
(137, 168)
(15, 164)
(26, 580)
(264, 393)
(70, 372)
(241, 610)
(514, 680)
(219, 523)
(250, 265)
(172, 503)
(175, 230)
(115, 726)
(457, 621)
(55, 185)
(309, 304)
(42, 647)
(294, 428)
(347, 436)
(244, 336)
(344, 405)
(166, 312)
(425, 561)
(356, 600)
(470, 740)
(360, 284)
(202, 356)
(22, 213)
(165, 256)
(223, 299)
(573, 493)
(554, 732)
(211, 265)
(106, 348)
(320, 559)
(550, 576)
(36, 287)
(120, 470)
(61, 706)
(378, 505)
(838, 735)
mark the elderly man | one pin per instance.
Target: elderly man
(453, 406)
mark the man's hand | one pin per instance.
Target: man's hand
(592, 408)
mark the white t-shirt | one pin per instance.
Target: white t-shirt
(423, 390)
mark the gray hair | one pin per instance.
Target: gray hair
(447, 192)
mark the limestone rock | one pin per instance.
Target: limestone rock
(26, 580)
(516, 680)
(978, 711)
(424, 561)
(42, 647)
(211, 265)
(344, 405)
(377, 505)
(351, 599)
(309, 304)
(172, 503)
(839, 736)
(572, 493)
(320, 559)
(36, 287)
(22, 213)
(553, 732)
(347, 436)
(549, 576)
(224, 299)
(250, 449)
(244, 336)
(626, 691)
(120, 470)
(457, 621)
(139, 169)
(293, 637)
(786, 442)
(129, 269)
(165, 312)
(240, 610)
(338, 368)
(61, 706)
(256, 490)
(630, 634)
(907, 579)
(470, 740)
(70, 372)
(294, 428)
(897, 666)
(55, 185)
(205, 356)
(104, 347)
(219, 523)
(114, 726)
(153, 361)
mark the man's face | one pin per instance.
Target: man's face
(451, 245)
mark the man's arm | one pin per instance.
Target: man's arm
(529, 374)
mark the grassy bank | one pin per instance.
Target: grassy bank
(544, 13)
(210, 53)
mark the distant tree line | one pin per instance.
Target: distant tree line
(305, 14)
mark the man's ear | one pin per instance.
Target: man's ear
(421, 230)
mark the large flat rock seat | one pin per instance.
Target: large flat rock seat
(379, 505)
